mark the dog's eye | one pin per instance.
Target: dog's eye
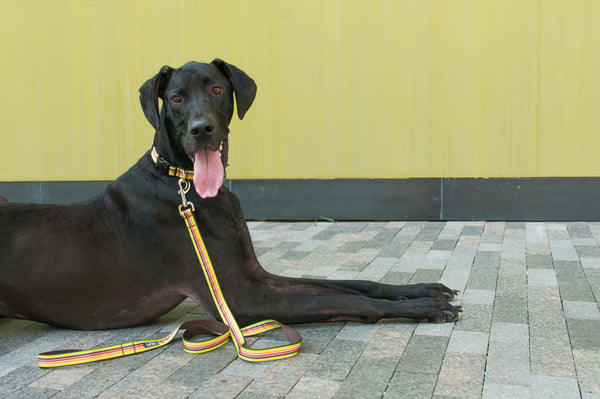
(217, 90)
(176, 99)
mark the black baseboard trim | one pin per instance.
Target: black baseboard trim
(522, 199)
(428, 199)
(340, 199)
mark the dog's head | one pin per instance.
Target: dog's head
(197, 106)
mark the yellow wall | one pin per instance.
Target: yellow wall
(357, 89)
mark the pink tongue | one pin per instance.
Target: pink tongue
(208, 173)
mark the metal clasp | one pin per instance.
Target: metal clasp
(184, 187)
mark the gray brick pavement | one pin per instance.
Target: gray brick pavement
(530, 327)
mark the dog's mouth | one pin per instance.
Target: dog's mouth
(208, 171)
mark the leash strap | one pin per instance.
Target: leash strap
(71, 357)
(245, 353)
(221, 331)
(193, 328)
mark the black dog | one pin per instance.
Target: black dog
(125, 257)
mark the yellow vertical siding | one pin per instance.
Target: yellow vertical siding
(347, 88)
(569, 91)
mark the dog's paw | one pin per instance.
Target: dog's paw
(448, 293)
(440, 312)
(433, 290)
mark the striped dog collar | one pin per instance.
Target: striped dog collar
(170, 169)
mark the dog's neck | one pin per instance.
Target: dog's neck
(169, 148)
(174, 155)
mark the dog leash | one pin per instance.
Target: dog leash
(221, 331)
(186, 209)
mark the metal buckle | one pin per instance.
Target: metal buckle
(162, 164)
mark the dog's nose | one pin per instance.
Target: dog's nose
(202, 129)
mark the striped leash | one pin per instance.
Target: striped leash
(221, 331)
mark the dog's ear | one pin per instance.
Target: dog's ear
(243, 86)
(151, 91)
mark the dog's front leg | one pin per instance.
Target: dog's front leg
(314, 287)
(291, 309)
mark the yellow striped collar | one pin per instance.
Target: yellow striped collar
(172, 170)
